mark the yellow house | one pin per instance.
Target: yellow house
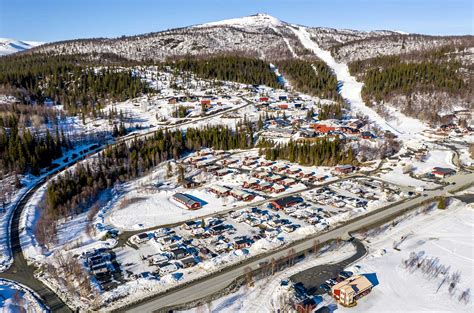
(348, 291)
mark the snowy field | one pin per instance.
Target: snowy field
(17, 298)
(444, 236)
(436, 158)
(144, 205)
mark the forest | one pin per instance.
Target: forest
(423, 72)
(311, 77)
(319, 152)
(73, 81)
(228, 67)
(22, 151)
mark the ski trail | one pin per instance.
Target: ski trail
(287, 42)
(351, 88)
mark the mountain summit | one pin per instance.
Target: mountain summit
(9, 46)
(257, 20)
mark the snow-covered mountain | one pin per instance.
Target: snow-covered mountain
(9, 46)
(259, 35)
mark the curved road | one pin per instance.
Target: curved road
(23, 273)
(315, 276)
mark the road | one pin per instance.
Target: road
(20, 271)
(216, 282)
(125, 235)
(313, 277)
(23, 273)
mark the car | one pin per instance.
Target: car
(324, 287)
(331, 282)
(345, 274)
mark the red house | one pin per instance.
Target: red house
(250, 183)
(277, 188)
(266, 163)
(321, 128)
(264, 99)
(187, 201)
(220, 190)
(286, 202)
(344, 169)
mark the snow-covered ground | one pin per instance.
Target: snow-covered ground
(28, 182)
(443, 236)
(435, 158)
(257, 20)
(265, 295)
(15, 298)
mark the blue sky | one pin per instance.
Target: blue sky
(51, 20)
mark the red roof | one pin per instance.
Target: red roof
(323, 128)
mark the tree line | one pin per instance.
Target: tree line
(318, 152)
(22, 151)
(424, 72)
(228, 67)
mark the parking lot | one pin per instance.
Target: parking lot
(312, 280)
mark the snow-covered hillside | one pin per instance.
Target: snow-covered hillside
(393, 44)
(259, 35)
(9, 46)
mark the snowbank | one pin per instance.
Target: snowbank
(15, 297)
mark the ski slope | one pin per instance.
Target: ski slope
(351, 90)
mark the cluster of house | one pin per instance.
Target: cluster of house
(450, 129)
(237, 193)
(327, 196)
(214, 237)
(269, 223)
(366, 188)
(280, 173)
(302, 128)
(206, 101)
(280, 102)
(349, 128)
(296, 207)
(101, 266)
(174, 252)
